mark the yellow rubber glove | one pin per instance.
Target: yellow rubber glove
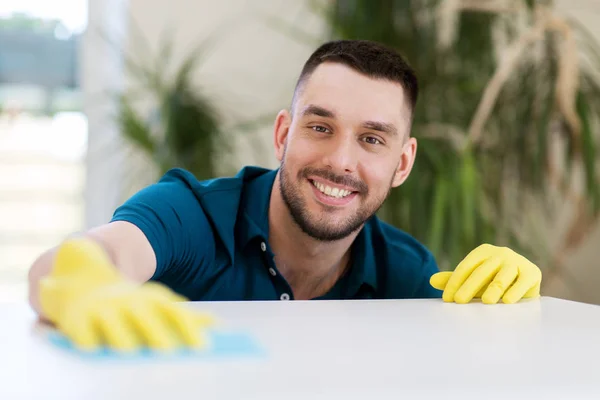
(490, 273)
(94, 305)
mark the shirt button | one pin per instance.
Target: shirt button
(284, 296)
(272, 272)
(263, 246)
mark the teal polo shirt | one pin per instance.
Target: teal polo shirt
(211, 241)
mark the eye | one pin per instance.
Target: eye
(372, 140)
(320, 129)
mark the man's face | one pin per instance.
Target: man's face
(343, 150)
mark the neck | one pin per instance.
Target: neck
(310, 266)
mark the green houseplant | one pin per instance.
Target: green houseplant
(509, 103)
(168, 118)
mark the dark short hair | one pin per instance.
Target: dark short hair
(372, 59)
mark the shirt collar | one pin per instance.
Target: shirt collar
(254, 215)
(254, 210)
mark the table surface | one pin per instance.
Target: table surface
(546, 348)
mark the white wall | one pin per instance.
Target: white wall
(252, 67)
(250, 71)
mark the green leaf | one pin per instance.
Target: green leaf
(589, 153)
(438, 213)
(469, 197)
(134, 128)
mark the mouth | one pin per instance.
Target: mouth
(331, 194)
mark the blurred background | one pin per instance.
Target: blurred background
(100, 97)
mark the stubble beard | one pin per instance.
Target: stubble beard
(320, 227)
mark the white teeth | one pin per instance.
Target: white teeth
(333, 192)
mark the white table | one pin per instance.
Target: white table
(417, 349)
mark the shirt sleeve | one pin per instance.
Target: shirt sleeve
(425, 290)
(173, 221)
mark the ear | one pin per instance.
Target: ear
(407, 160)
(280, 132)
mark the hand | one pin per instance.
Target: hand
(490, 273)
(93, 305)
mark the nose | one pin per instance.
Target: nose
(341, 154)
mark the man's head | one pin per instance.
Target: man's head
(346, 141)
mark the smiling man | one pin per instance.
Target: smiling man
(306, 230)
(343, 146)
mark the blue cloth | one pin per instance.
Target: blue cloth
(211, 241)
(221, 345)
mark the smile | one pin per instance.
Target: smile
(330, 191)
(331, 195)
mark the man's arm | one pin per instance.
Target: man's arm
(126, 245)
(161, 233)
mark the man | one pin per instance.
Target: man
(304, 231)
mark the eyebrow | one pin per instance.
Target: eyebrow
(384, 127)
(319, 111)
